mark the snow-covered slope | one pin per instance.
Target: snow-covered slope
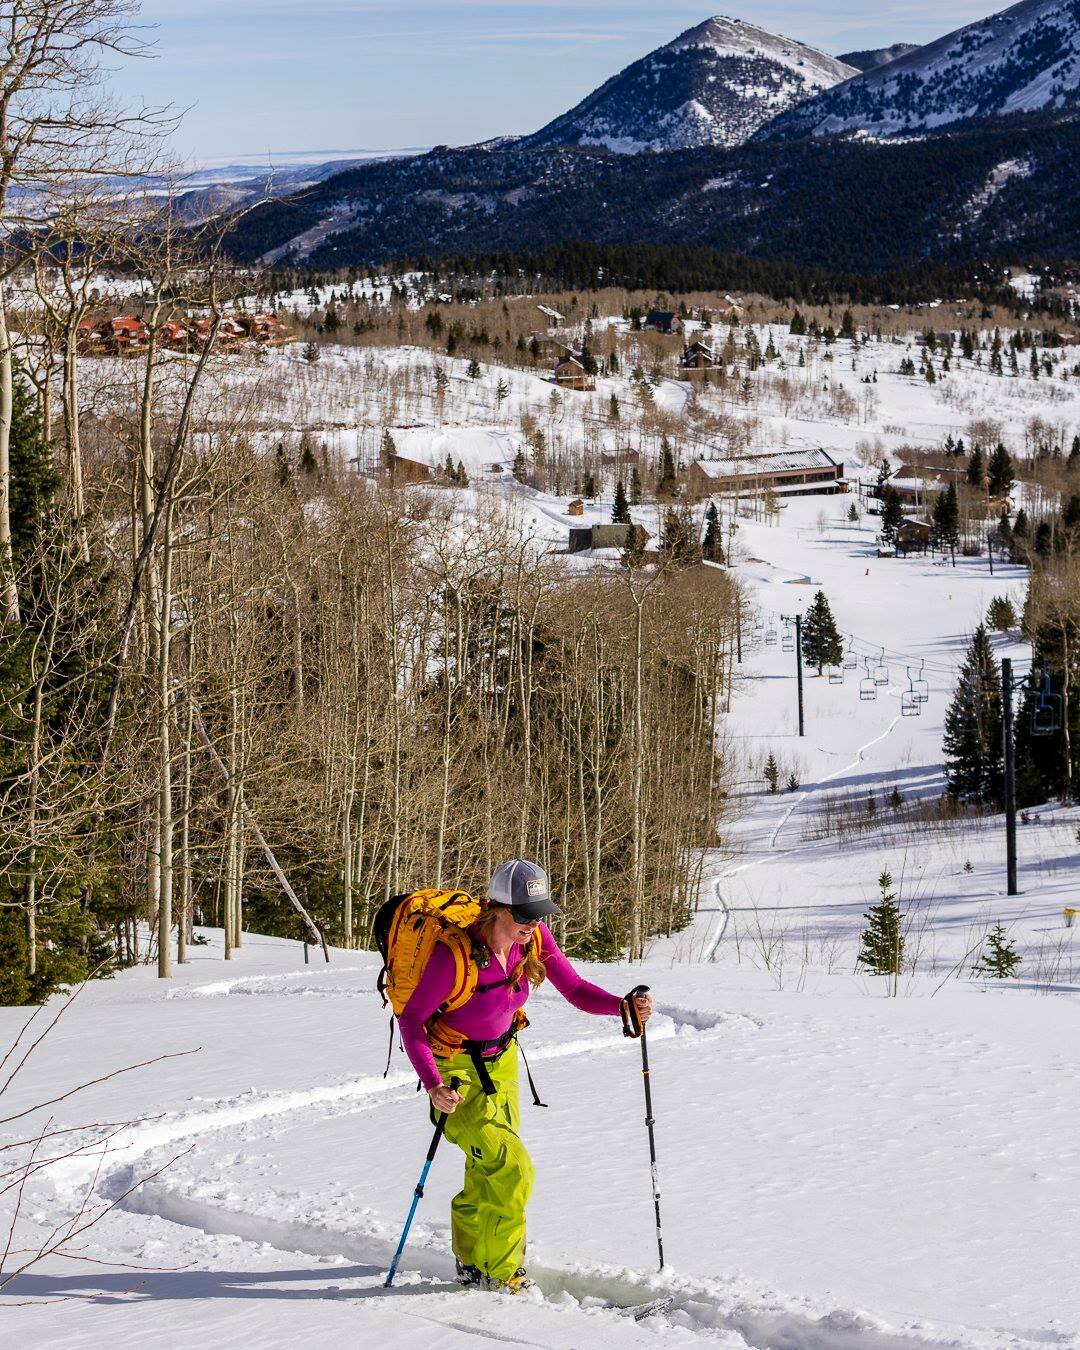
(1025, 59)
(873, 57)
(714, 85)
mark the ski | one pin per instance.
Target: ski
(639, 1311)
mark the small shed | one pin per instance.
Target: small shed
(405, 470)
(914, 536)
(576, 507)
(602, 536)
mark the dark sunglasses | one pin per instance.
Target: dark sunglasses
(519, 916)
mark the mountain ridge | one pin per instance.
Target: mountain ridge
(714, 84)
(1024, 59)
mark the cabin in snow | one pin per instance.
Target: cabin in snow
(583, 537)
(698, 359)
(662, 321)
(914, 536)
(570, 373)
(785, 472)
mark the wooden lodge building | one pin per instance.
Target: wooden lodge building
(785, 472)
(698, 359)
(662, 321)
(570, 373)
(124, 334)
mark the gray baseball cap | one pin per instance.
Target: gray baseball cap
(523, 886)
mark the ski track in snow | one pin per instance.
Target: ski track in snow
(714, 1309)
(355, 1094)
(713, 943)
(719, 1311)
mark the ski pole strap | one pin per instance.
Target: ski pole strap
(532, 1085)
(390, 1049)
(632, 1025)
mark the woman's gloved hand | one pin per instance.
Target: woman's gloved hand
(444, 1098)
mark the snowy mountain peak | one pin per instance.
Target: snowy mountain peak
(715, 84)
(1025, 59)
(735, 38)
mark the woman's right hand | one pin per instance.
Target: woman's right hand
(444, 1098)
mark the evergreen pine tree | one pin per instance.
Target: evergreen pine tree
(473, 368)
(667, 483)
(882, 949)
(821, 642)
(309, 465)
(1001, 473)
(678, 538)
(712, 548)
(635, 487)
(620, 512)
(310, 352)
(798, 325)
(853, 513)
(892, 514)
(976, 468)
(972, 740)
(282, 468)
(520, 465)
(633, 554)
(1001, 615)
(460, 476)
(588, 489)
(946, 518)
(1000, 959)
(772, 773)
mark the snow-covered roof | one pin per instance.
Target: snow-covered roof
(767, 461)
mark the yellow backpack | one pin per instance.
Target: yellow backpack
(406, 930)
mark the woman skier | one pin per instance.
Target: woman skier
(469, 1045)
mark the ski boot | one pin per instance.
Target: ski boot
(469, 1275)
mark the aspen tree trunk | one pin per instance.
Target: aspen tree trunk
(1066, 657)
(636, 797)
(70, 390)
(183, 926)
(165, 792)
(9, 595)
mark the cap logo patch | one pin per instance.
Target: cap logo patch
(535, 888)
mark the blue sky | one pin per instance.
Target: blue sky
(260, 76)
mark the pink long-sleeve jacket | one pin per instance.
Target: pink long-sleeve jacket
(488, 1014)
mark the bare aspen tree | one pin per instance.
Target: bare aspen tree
(55, 127)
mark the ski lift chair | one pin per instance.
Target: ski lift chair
(770, 637)
(881, 674)
(851, 661)
(836, 674)
(909, 704)
(922, 690)
(788, 644)
(867, 689)
(1046, 711)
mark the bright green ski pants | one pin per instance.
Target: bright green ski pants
(488, 1213)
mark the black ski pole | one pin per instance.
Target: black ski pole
(418, 1194)
(634, 1026)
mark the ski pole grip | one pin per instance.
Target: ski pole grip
(632, 1025)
